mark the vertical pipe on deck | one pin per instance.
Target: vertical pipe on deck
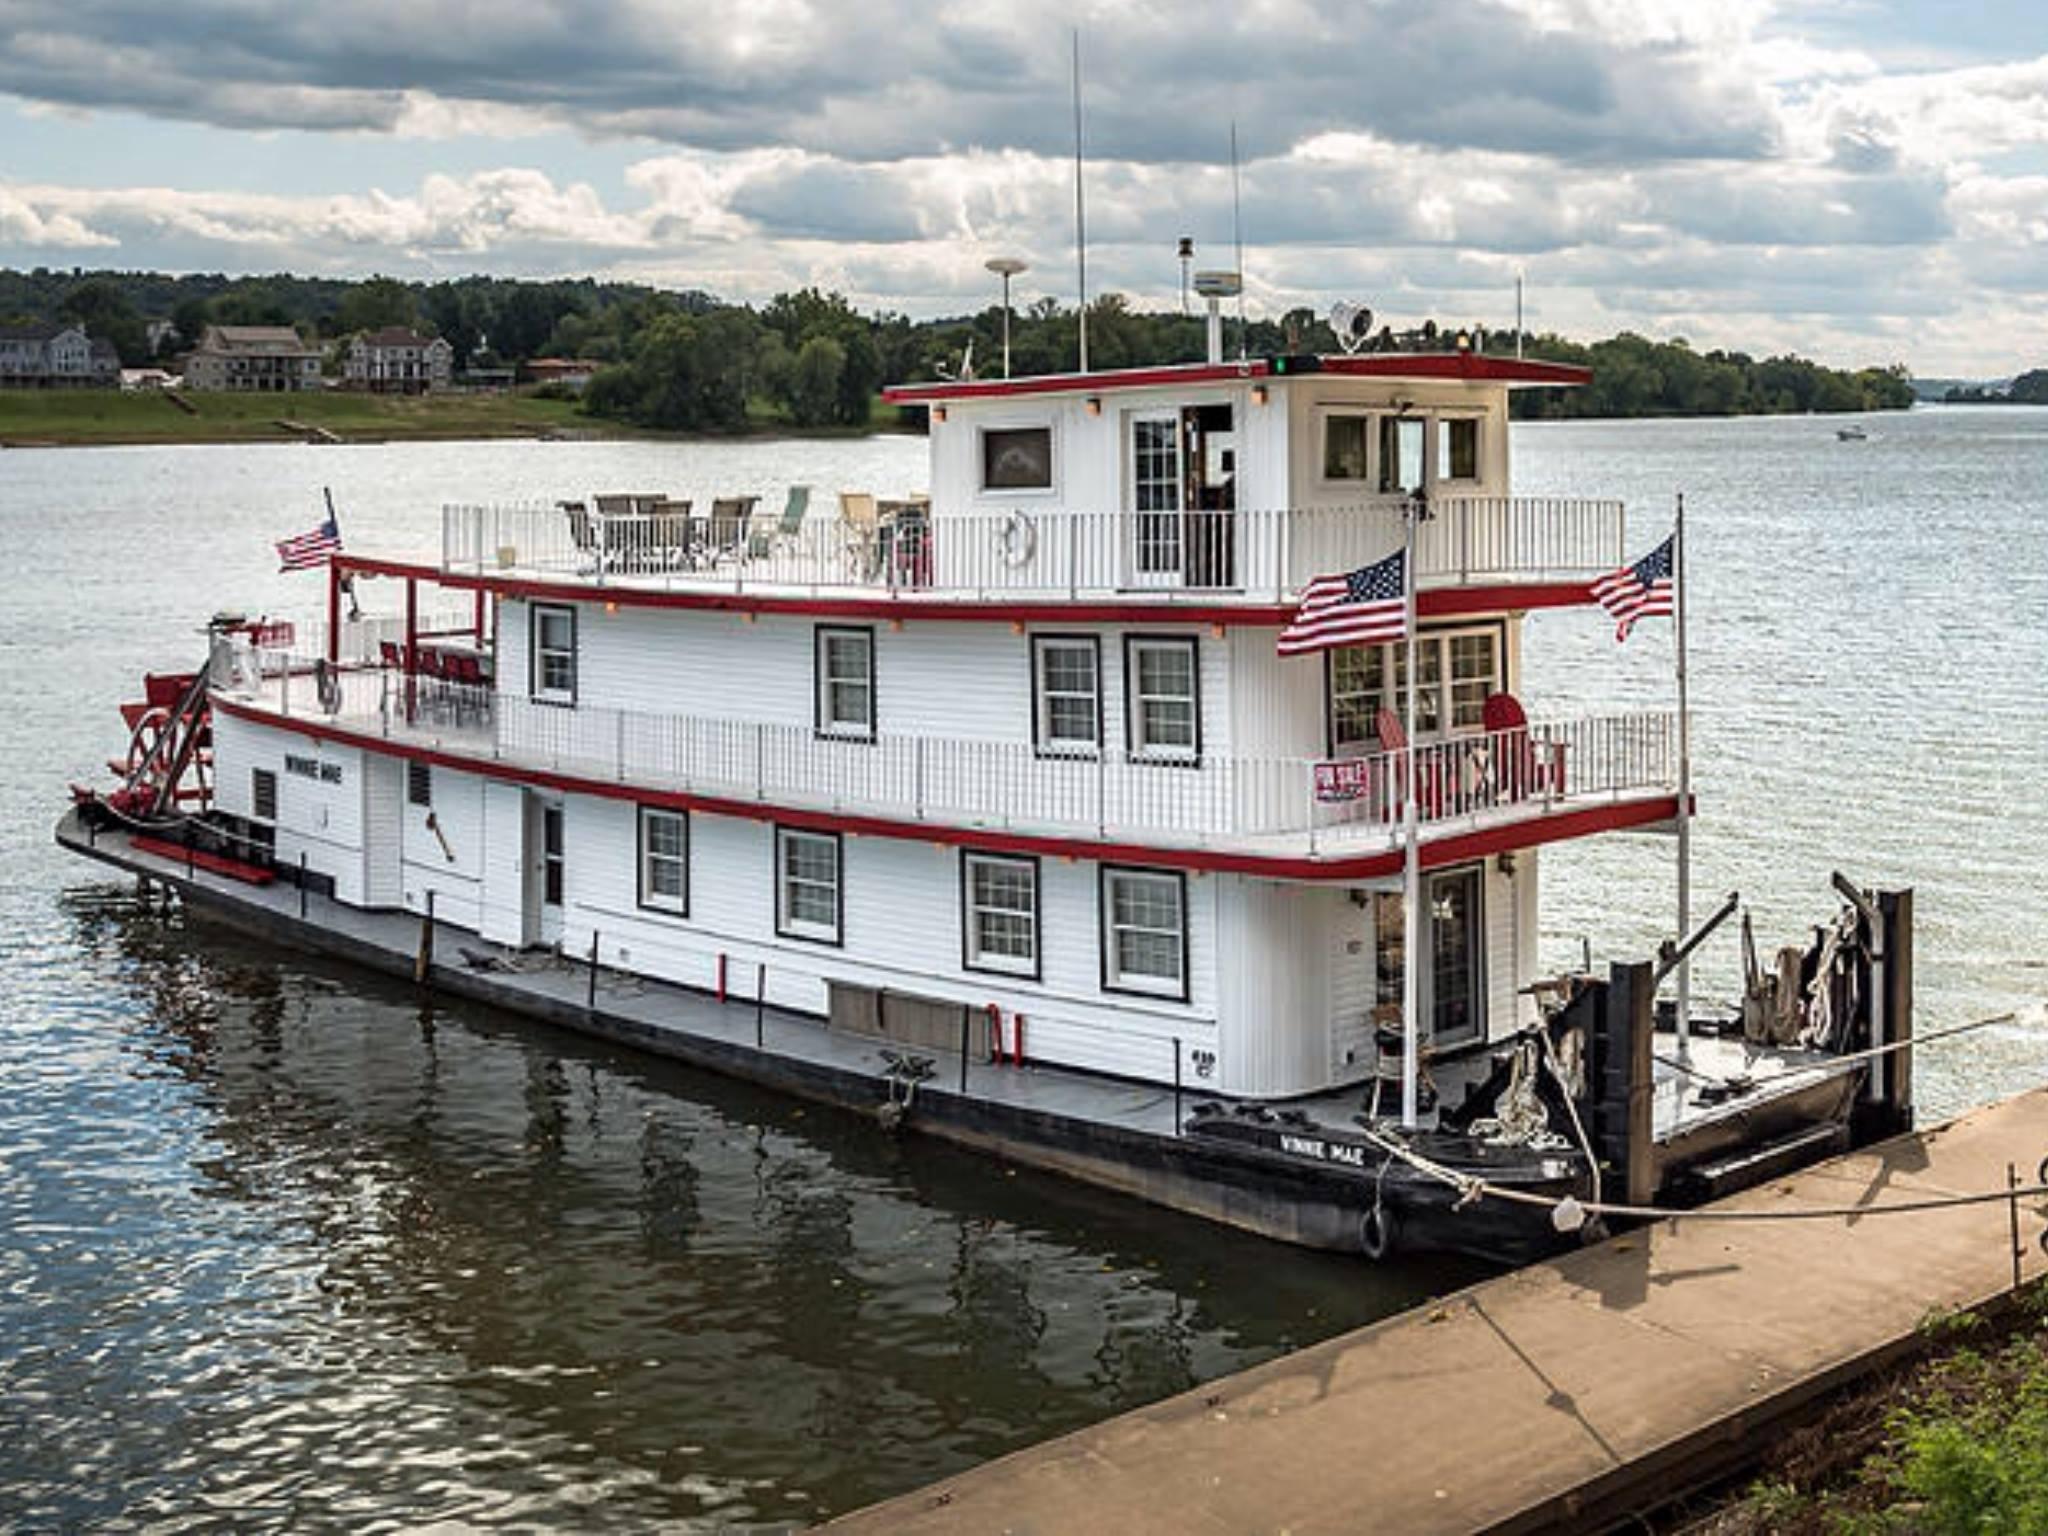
(590, 995)
(760, 1003)
(1176, 1085)
(333, 610)
(411, 653)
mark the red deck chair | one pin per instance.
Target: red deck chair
(1522, 765)
(1428, 770)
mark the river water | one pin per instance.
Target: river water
(281, 1245)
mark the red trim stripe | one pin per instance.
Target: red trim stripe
(1378, 365)
(1462, 848)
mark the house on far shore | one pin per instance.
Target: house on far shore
(398, 360)
(252, 359)
(56, 357)
(575, 372)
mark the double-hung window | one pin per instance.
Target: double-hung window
(665, 861)
(1067, 681)
(999, 900)
(1144, 932)
(554, 654)
(1165, 703)
(807, 889)
(846, 682)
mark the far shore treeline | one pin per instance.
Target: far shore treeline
(689, 361)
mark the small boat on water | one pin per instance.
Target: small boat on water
(1022, 814)
(1851, 434)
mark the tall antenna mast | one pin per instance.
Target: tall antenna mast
(1237, 234)
(1080, 209)
(1518, 312)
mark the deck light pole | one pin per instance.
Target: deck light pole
(1006, 267)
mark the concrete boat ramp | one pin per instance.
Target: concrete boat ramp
(1566, 1396)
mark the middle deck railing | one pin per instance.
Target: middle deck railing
(1477, 779)
(1255, 555)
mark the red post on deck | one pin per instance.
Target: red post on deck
(333, 611)
(412, 645)
(479, 621)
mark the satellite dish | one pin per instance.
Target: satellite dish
(1352, 323)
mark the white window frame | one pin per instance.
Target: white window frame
(789, 926)
(974, 956)
(541, 651)
(1442, 641)
(1368, 476)
(1142, 748)
(825, 683)
(1042, 696)
(1045, 424)
(1115, 978)
(677, 903)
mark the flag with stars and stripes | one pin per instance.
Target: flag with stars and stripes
(1639, 591)
(1367, 607)
(311, 548)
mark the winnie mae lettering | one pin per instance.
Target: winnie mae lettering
(312, 768)
(1323, 1151)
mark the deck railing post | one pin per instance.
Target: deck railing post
(966, 1024)
(1176, 1085)
(760, 1004)
(590, 995)
(302, 882)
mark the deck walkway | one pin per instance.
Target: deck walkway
(1563, 1396)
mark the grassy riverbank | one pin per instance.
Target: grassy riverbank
(89, 416)
(1956, 1442)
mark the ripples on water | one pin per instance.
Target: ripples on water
(282, 1246)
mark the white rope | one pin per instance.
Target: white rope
(1746, 1080)
(1472, 1189)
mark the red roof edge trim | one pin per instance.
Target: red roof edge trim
(1468, 366)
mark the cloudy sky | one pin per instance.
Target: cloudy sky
(1858, 180)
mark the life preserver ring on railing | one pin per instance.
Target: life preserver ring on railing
(1017, 540)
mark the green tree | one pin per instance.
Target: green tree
(377, 303)
(103, 309)
(814, 382)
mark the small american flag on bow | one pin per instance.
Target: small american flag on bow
(1367, 607)
(311, 548)
(1639, 591)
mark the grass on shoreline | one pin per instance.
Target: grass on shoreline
(89, 417)
(1955, 1442)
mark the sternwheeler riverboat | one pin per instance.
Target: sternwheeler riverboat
(1000, 814)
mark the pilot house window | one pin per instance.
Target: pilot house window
(1016, 459)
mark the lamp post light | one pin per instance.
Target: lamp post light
(1006, 267)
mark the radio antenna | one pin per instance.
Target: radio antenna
(1237, 234)
(1080, 209)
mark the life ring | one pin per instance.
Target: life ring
(1378, 1232)
(1017, 540)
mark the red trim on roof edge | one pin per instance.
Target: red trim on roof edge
(1441, 602)
(1460, 849)
(1470, 366)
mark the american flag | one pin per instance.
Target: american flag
(1639, 591)
(311, 548)
(1367, 607)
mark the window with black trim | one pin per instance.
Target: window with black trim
(1144, 932)
(1066, 675)
(807, 885)
(554, 654)
(1016, 458)
(419, 784)
(846, 682)
(999, 912)
(1160, 674)
(665, 860)
(263, 794)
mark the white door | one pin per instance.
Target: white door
(546, 869)
(1157, 480)
(1353, 988)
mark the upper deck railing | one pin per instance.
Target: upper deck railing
(1253, 555)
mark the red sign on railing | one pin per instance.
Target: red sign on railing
(1343, 779)
(272, 635)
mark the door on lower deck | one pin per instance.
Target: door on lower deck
(546, 869)
(1453, 979)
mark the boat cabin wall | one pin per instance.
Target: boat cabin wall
(1089, 436)
(319, 789)
(1348, 438)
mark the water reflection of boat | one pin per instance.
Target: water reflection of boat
(1002, 814)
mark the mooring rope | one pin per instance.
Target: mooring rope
(1746, 1080)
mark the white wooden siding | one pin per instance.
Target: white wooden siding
(383, 798)
(503, 859)
(458, 811)
(321, 820)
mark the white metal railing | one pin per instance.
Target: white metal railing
(1257, 554)
(1480, 778)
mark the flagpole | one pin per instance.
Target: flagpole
(1411, 879)
(1679, 563)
